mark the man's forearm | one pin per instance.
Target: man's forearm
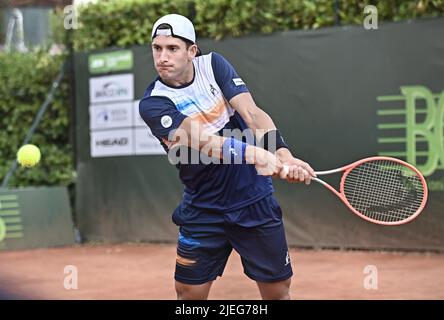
(260, 122)
(255, 118)
(192, 134)
(216, 146)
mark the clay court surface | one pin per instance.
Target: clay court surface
(145, 271)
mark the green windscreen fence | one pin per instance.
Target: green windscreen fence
(337, 95)
(35, 218)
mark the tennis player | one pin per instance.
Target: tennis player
(226, 204)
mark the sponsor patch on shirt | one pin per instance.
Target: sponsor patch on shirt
(166, 121)
(238, 82)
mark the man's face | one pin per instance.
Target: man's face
(171, 57)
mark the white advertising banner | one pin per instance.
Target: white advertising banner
(109, 143)
(111, 88)
(111, 115)
(116, 128)
(146, 143)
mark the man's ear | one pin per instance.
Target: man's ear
(192, 51)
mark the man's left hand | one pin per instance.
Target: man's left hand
(298, 170)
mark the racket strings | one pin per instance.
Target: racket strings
(384, 190)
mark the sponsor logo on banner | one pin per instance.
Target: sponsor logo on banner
(112, 143)
(106, 116)
(146, 142)
(110, 62)
(410, 127)
(111, 88)
(11, 226)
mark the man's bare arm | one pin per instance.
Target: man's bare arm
(192, 133)
(260, 122)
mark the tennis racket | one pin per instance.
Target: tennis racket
(381, 190)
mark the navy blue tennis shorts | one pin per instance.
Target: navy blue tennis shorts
(207, 238)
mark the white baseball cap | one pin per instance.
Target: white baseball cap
(174, 25)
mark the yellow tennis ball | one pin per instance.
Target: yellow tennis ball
(28, 155)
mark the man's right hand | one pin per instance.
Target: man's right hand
(266, 163)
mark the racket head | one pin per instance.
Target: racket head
(384, 190)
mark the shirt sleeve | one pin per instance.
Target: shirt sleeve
(226, 77)
(161, 115)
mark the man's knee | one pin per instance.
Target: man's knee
(192, 292)
(275, 290)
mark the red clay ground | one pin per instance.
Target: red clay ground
(130, 271)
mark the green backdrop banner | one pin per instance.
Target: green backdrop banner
(35, 218)
(337, 95)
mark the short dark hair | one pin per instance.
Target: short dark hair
(188, 43)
